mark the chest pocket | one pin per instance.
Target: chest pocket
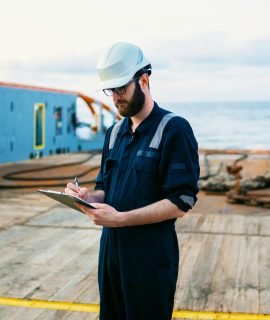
(147, 161)
(147, 165)
(145, 178)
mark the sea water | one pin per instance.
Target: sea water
(227, 125)
(217, 125)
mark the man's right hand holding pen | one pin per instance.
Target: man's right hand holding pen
(83, 193)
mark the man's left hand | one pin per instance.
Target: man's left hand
(104, 215)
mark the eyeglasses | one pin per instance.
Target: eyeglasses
(120, 90)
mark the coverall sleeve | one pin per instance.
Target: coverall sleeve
(179, 165)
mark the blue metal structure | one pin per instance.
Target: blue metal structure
(36, 122)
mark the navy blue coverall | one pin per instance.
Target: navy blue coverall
(138, 265)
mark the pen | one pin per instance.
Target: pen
(76, 181)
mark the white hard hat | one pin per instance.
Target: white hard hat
(118, 64)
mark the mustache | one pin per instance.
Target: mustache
(122, 101)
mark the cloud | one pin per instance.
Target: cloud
(214, 51)
(210, 52)
(210, 66)
(70, 64)
(255, 53)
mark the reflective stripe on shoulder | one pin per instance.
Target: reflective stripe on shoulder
(158, 135)
(114, 133)
(187, 199)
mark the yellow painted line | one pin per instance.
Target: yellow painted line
(219, 315)
(43, 304)
(84, 307)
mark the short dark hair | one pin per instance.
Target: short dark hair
(147, 69)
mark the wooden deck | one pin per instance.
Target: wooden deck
(50, 252)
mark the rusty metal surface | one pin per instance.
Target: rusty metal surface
(236, 174)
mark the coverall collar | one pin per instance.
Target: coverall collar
(143, 126)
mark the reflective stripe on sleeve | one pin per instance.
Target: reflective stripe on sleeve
(114, 133)
(188, 200)
(158, 135)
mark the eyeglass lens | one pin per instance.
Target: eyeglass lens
(121, 90)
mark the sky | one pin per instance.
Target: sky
(200, 50)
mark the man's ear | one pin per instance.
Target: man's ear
(144, 81)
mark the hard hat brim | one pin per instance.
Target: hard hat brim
(114, 83)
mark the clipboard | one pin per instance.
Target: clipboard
(66, 199)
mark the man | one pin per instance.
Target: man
(148, 178)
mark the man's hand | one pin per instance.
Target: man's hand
(76, 191)
(104, 215)
(84, 193)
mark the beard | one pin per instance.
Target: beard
(135, 105)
